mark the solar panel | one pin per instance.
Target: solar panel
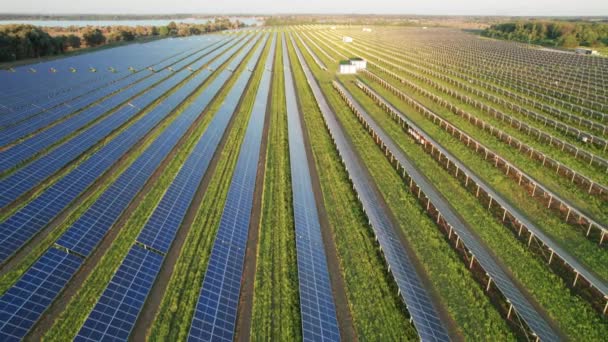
(26, 222)
(317, 307)
(116, 311)
(24, 302)
(419, 305)
(215, 315)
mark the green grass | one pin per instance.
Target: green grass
(172, 321)
(376, 309)
(575, 317)
(570, 238)
(276, 308)
(71, 319)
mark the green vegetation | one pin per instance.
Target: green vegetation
(276, 309)
(172, 321)
(377, 310)
(70, 320)
(555, 33)
(545, 287)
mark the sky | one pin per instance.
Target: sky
(429, 7)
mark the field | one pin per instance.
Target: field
(240, 186)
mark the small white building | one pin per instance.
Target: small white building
(585, 51)
(367, 29)
(347, 68)
(347, 39)
(352, 65)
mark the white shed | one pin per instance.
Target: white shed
(347, 39)
(347, 68)
(367, 29)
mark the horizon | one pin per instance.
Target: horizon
(544, 8)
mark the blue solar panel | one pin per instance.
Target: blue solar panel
(215, 314)
(419, 305)
(116, 311)
(317, 307)
(23, 304)
(26, 222)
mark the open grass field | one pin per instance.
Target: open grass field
(453, 188)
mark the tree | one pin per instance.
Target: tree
(73, 41)
(163, 31)
(569, 41)
(93, 37)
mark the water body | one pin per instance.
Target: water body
(153, 22)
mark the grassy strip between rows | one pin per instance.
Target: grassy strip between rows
(9, 278)
(276, 313)
(71, 319)
(377, 310)
(464, 300)
(87, 154)
(570, 238)
(172, 321)
(574, 316)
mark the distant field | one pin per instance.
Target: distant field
(240, 186)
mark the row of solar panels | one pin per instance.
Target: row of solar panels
(318, 312)
(420, 307)
(40, 285)
(27, 221)
(501, 278)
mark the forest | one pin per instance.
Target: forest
(20, 41)
(554, 33)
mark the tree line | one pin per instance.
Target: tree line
(20, 41)
(554, 33)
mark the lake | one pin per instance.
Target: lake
(154, 22)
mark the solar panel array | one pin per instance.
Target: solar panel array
(318, 312)
(26, 222)
(215, 315)
(36, 92)
(84, 234)
(500, 277)
(120, 92)
(30, 175)
(419, 305)
(99, 325)
(24, 302)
